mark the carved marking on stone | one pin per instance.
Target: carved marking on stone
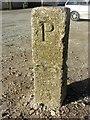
(46, 27)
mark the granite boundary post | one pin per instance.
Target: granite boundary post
(50, 31)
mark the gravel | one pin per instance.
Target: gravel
(17, 70)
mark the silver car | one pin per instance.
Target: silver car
(78, 9)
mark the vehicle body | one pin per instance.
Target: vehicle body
(78, 10)
(60, 3)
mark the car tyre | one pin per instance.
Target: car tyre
(75, 16)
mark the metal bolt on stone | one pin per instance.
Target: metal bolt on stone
(50, 31)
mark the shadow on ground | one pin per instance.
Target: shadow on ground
(77, 91)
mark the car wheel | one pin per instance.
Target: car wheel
(75, 16)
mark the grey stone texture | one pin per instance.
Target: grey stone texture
(50, 28)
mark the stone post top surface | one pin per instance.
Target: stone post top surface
(51, 8)
(48, 7)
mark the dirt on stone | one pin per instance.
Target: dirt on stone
(17, 70)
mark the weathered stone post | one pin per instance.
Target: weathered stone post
(49, 54)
